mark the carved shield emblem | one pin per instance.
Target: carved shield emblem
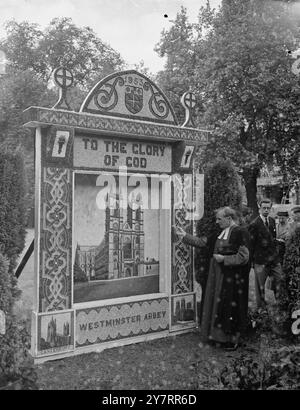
(133, 99)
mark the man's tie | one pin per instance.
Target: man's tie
(267, 223)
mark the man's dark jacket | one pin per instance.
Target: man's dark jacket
(263, 241)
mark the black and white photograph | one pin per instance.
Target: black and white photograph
(150, 197)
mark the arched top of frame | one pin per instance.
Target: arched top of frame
(132, 95)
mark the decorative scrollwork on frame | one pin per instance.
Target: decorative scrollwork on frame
(107, 99)
(157, 103)
(182, 270)
(56, 231)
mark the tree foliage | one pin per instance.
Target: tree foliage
(241, 73)
(18, 91)
(32, 55)
(61, 43)
(248, 82)
(177, 45)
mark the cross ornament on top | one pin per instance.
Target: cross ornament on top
(188, 100)
(63, 78)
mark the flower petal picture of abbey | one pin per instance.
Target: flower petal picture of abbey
(116, 248)
(56, 332)
(183, 310)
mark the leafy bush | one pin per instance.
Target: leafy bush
(6, 297)
(12, 213)
(267, 367)
(15, 362)
(221, 188)
(289, 295)
(243, 373)
(280, 369)
(260, 320)
(291, 268)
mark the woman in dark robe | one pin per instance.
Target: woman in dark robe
(225, 307)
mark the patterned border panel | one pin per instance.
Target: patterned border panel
(55, 241)
(109, 323)
(182, 254)
(104, 124)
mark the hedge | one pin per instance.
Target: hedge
(12, 205)
(16, 365)
(221, 188)
(289, 296)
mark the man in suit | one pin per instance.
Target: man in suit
(264, 252)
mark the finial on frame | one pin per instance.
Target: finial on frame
(188, 100)
(63, 78)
